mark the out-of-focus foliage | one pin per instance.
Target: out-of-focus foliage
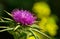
(42, 9)
(1, 9)
(22, 4)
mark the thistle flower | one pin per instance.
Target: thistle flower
(23, 16)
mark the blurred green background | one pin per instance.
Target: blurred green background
(9, 5)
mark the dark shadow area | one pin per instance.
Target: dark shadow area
(5, 35)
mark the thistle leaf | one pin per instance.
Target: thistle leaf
(4, 21)
(7, 19)
(16, 27)
(6, 29)
(3, 27)
(35, 27)
(1, 19)
(36, 37)
(42, 33)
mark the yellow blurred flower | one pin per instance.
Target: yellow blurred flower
(42, 9)
(52, 29)
(32, 37)
(42, 24)
(49, 25)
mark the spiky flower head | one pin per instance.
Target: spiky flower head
(23, 16)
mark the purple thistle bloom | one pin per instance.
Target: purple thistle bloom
(23, 16)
